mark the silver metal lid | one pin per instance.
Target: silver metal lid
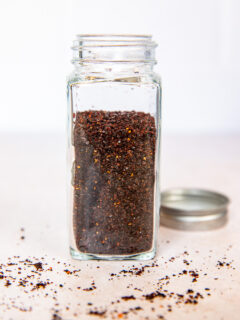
(193, 209)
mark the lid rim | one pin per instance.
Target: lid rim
(195, 213)
(186, 208)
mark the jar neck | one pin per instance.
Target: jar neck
(114, 53)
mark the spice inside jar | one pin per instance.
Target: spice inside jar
(113, 180)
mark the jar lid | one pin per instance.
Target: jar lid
(193, 209)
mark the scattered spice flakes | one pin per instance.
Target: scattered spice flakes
(22, 236)
(198, 295)
(126, 298)
(89, 289)
(194, 274)
(7, 283)
(137, 308)
(55, 316)
(169, 308)
(223, 264)
(29, 283)
(186, 262)
(22, 283)
(190, 291)
(154, 295)
(40, 285)
(97, 313)
(67, 271)
(38, 265)
(191, 301)
(93, 287)
(125, 313)
(135, 270)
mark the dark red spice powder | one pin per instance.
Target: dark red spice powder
(114, 182)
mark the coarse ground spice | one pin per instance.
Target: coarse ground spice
(114, 182)
(38, 285)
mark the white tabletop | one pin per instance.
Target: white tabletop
(32, 186)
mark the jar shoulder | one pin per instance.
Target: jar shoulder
(133, 78)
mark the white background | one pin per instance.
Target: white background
(198, 58)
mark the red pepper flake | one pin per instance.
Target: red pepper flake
(97, 313)
(38, 265)
(67, 271)
(154, 295)
(8, 283)
(40, 285)
(126, 298)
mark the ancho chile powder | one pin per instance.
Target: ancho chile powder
(113, 178)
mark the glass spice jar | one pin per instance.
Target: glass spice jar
(114, 112)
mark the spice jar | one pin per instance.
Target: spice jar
(114, 112)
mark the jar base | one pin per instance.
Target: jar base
(88, 256)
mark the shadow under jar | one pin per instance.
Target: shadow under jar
(114, 109)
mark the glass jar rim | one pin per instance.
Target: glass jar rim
(113, 40)
(113, 48)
